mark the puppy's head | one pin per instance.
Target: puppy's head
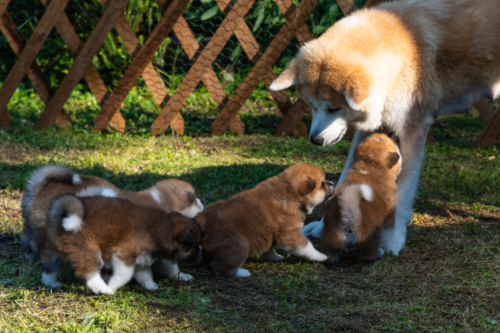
(177, 196)
(187, 235)
(381, 151)
(344, 75)
(309, 184)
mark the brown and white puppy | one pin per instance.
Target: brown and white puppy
(43, 187)
(397, 66)
(365, 203)
(262, 219)
(96, 232)
(52, 181)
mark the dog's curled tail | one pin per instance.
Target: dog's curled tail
(68, 213)
(56, 173)
(350, 204)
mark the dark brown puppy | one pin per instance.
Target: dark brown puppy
(97, 232)
(266, 217)
(365, 202)
(43, 187)
(49, 182)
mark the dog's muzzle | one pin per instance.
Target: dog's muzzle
(317, 140)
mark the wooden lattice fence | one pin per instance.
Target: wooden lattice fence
(141, 65)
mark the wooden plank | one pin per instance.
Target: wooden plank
(371, 3)
(491, 133)
(3, 6)
(136, 68)
(484, 109)
(70, 38)
(346, 6)
(82, 61)
(277, 46)
(26, 58)
(170, 114)
(40, 83)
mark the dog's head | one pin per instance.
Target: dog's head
(380, 150)
(308, 184)
(344, 76)
(177, 196)
(187, 235)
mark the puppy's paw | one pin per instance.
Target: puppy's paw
(183, 277)
(149, 285)
(50, 280)
(101, 289)
(318, 257)
(308, 229)
(242, 273)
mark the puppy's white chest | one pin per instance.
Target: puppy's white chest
(144, 260)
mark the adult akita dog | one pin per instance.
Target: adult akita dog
(396, 67)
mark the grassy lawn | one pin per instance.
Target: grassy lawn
(446, 279)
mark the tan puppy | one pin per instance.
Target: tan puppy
(266, 217)
(398, 66)
(97, 232)
(365, 202)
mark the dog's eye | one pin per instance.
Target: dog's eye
(332, 110)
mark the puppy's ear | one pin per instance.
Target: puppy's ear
(191, 197)
(357, 90)
(288, 78)
(308, 186)
(392, 159)
(189, 239)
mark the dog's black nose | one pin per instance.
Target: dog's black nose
(317, 141)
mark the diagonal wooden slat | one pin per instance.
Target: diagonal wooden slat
(346, 6)
(26, 58)
(135, 69)
(40, 83)
(70, 38)
(82, 61)
(170, 114)
(484, 109)
(371, 3)
(277, 46)
(3, 6)
(491, 133)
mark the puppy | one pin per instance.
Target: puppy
(43, 187)
(97, 232)
(52, 181)
(365, 202)
(262, 219)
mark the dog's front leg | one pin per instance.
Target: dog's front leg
(412, 151)
(315, 229)
(170, 269)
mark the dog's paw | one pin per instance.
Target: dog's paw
(183, 277)
(50, 280)
(150, 285)
(242, 273)
(101, 289)
(318, 257)
(308, 229)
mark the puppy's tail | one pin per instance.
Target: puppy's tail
(55, 173)
(350, 207)
(67, 213)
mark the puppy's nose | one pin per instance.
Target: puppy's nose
(317, 140)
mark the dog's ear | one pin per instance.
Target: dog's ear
(357, 90)
(308, 186)
(288, 78)
(392, 159)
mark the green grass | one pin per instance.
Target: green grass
(446, 279)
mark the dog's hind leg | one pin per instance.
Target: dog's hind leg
(412, 151)
(122, 272)
(51, 265)
(315, 229)
(298, 245)
(170, 269)
(144, 277)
